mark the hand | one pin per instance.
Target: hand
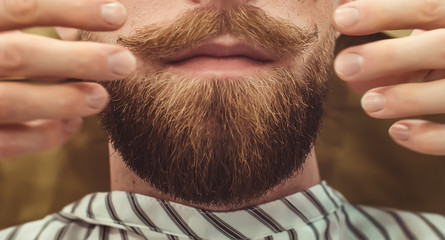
(36, 117)
(403, 77)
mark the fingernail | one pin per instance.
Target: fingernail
(114, 13)
(97, 98)
(373, 102)
(72, 125)
(399, 131)
(348, 64)
(346, 17)
(122, 63)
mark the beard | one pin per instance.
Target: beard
(219, 140)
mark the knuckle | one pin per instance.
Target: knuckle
(11, 57)
(21, 10)
(429, 10)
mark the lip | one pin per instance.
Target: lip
(218, 50)
(224, 55)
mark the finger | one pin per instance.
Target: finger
(420, 136)
(404, 100)
(20, 102)
(67, 34)
(33, 56)
(84, 14)
(386, 57)
(362, 86)
(23, 139)
(371, 16)
(417, 32)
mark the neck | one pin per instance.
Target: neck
(122, 179)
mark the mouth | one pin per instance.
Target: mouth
(222, 56)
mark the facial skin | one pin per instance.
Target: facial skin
(220, 127)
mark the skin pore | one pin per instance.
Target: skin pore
(303, 14)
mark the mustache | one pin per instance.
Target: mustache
(246, 22)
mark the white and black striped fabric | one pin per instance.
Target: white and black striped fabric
(317, 213)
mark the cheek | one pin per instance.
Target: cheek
(142, 13)
(303, 12)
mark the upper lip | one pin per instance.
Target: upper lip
(223, 48)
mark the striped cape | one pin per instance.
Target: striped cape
(316, 213)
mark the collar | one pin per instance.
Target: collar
(146, 216)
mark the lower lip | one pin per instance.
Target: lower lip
(219, 66)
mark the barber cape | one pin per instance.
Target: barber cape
(316, 213)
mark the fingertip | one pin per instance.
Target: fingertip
(373, 102)
(114, 13)
(346, 17)
(420, 136)
(347, 65)
(97, 98)
(356, 18)
(93, 98)
(122, 63)
(399, 131)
